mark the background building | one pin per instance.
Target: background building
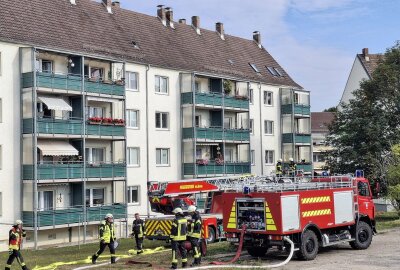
(320, 122)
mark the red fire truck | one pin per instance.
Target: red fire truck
(317, 213)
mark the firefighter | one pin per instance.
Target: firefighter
(107, 238)
(138, 233)
(292, 167)
(14, 245)
(194, 234)
(279, 168)
(178, 238)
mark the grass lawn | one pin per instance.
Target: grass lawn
(387, 220)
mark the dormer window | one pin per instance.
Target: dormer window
(254, 67)
(275, 71)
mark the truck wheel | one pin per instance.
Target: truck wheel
(362, 235)
(211, 235)
(257, 251)
(308, 249)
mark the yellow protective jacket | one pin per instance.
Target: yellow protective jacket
(107, 232)
(279, 168)
(195, 227)
(179, 228)
(15, 238)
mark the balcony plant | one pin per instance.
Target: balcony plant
(119, 122)
(219, 161)
(227, 87)
(201, 161)
(107, 121)
(95, 120)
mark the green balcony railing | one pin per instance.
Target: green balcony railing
(53, 81)
(105, 130)
(215, 99)
(73, 215)
(217, 133)
(104, 88)
(297, 109)
(53, 126)
(212, 168)
(298, 138)
(73, 170)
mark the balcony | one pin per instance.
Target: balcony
(105, 130)
(104, 87)
(212, 168)
(217, 134)
(74, 171)
(73, 215)
(215, 100)
(53, 81)
(296, 109)
(298, 138)
(53, 126)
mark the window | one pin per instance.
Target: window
(363, 189)
(277, 70)
(44, 65)
(318, 157)
(199, 153)
(94, 197)
(268, 98)
(272, 71)
(251, 96)
(197, 120)
(251, 126)
(96, 111)
(162, 156)
(254, 67)
(161, 85)
(132, 81)
(268, 127)
(229, 154)
(252, 157)
(97, 73)
(197, 87)
(162, 120)
(269, 157)
(133, 194)
(94, 155)
(132, 118)
(45, 200)
(228, 122)
(133, 156)
(52, 236)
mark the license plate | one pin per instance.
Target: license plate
(234, 240)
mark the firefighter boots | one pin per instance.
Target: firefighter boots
(184, 264)
(94, 258)
(174, 266)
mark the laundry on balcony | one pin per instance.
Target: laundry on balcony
(55, 103)
(57, 148)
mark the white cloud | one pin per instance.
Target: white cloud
(318, 5)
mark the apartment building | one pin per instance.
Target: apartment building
(97, 100)
(320, 122)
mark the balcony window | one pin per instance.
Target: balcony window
(45, 200)
(96, 73)
(133, 194)
(133, 156)
(251, 126)
(268, 98)
(162, 156)
(132, 118)
(228, 122)
(95, 197)
(95, 111)
(229, 155)
(199, 153)
(94, 155)
(251, 96)
(45, 66)
(132, 81)
(268, 127)
(319, 157)
(269, 157)
(162, 120)
(252, 157)
(161, 84)
(197, 120)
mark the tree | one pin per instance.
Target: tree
(393, 178)
(363, 133)
(331, 109)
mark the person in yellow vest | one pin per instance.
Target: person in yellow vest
(14, 245)
(178, 238)
(279, 168)
(194, 234)
(107, 238)
(292, 167)
(138, 232)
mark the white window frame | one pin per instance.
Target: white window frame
(93, 111)
(39, 65)
(253, 157)
(229, 155)
(129, 87)
(137, 157)
(163, 164)
(89, 154)
(161, 121)
(41, 200)
(251, 96)
(130, 189)
(268, 98)
(128, 118)
(230, 122)
(251, 126)
(267, 130)
(267, 159)
(157, 85)
(197, 117)
(91, 203)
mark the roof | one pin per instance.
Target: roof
(372, 63)
(320, 121)
(87, 28)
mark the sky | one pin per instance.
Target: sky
(315, 41)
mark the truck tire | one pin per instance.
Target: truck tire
(309, 245)
(362, 236)
(257, 251)
(211, 235)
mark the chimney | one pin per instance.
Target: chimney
(162, 14)
(365, 54)
(219, 27)
(108, 4)
(182, 21)
(196, 24)
(257, 38)
(73, 2)
(116, 4)
(170, 16)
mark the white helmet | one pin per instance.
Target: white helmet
(280, 160)
(108, 216)
(191, 208)
(291, 159)
(177, 210)
(18, 222)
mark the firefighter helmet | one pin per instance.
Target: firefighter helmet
(177, 211)
(291, 159)
(18, 222)
(191, 208)
(108, 216)
(280, 160)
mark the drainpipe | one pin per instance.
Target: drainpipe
(261, 128)
(147, 137)
(34, 151)
(84, 219)
(126, 154)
